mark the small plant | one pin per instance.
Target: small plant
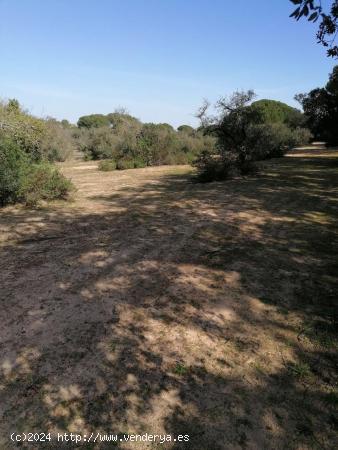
(107, 165)
(180, 369)
(300, 370)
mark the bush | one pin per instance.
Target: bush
(13, 167)
(107, 165)
(139, 163)
(101, 143)
(57, 142)
(44, 182)
(41, 139)
(211, 167)
(27, 182)
(125, 163)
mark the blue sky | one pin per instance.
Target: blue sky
(157, 58)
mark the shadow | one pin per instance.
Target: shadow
(205, 310)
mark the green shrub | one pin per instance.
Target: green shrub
(56, 142)
(41, 139)
(101, 143)
(107, 165)
(139, 163)
(13, 167)
(93, 121)
(125, 163)
(21, 180)
(44, 182)
(213, 167)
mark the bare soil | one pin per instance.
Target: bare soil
(151, 303)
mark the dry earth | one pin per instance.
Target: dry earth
(154, 304)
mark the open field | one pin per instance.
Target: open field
(155, 304)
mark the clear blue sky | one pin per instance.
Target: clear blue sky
(157, 58)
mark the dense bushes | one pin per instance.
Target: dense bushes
(133, 144)
(22, 180)
(106, 165)
(245, 135)
(27, 146)
(44, 182)
(13, 166)
(48, 139)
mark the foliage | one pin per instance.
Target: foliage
(93, 121)
(101, 143)
(186, 129)
(44, 182)
(148, 144)
(107, 165)
(245, 134)
(41, 139)
(328, 26)
(13, 166)
(21, 180)
(22, 128)
(272, 111)
(121, 120)
(321, 110)
(57, 143)
(125, 163)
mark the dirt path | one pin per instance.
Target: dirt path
(154, 304)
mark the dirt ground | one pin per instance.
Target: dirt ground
(153, 304)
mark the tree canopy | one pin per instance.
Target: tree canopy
(272, 111)
(93, 121)
(321, 110)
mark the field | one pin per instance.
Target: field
(151, 303)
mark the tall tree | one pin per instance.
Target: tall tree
(321, 110)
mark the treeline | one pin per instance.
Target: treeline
(224, 144)
(128, 143)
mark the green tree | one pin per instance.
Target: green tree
(13, 106)
(272, 111)
(186, 129)
(93, 121)
(321, 110)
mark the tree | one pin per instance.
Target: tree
(243, 136)
(272, 111)
(13, 105)
(328, 26)
(93, 121)
(186, 129)
(321, 110)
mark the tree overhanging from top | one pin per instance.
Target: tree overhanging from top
(328, 21)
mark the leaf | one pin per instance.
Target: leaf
(313, 17)
(295, 13)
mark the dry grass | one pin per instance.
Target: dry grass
(154, 304)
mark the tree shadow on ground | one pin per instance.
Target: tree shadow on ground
(205, 310)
